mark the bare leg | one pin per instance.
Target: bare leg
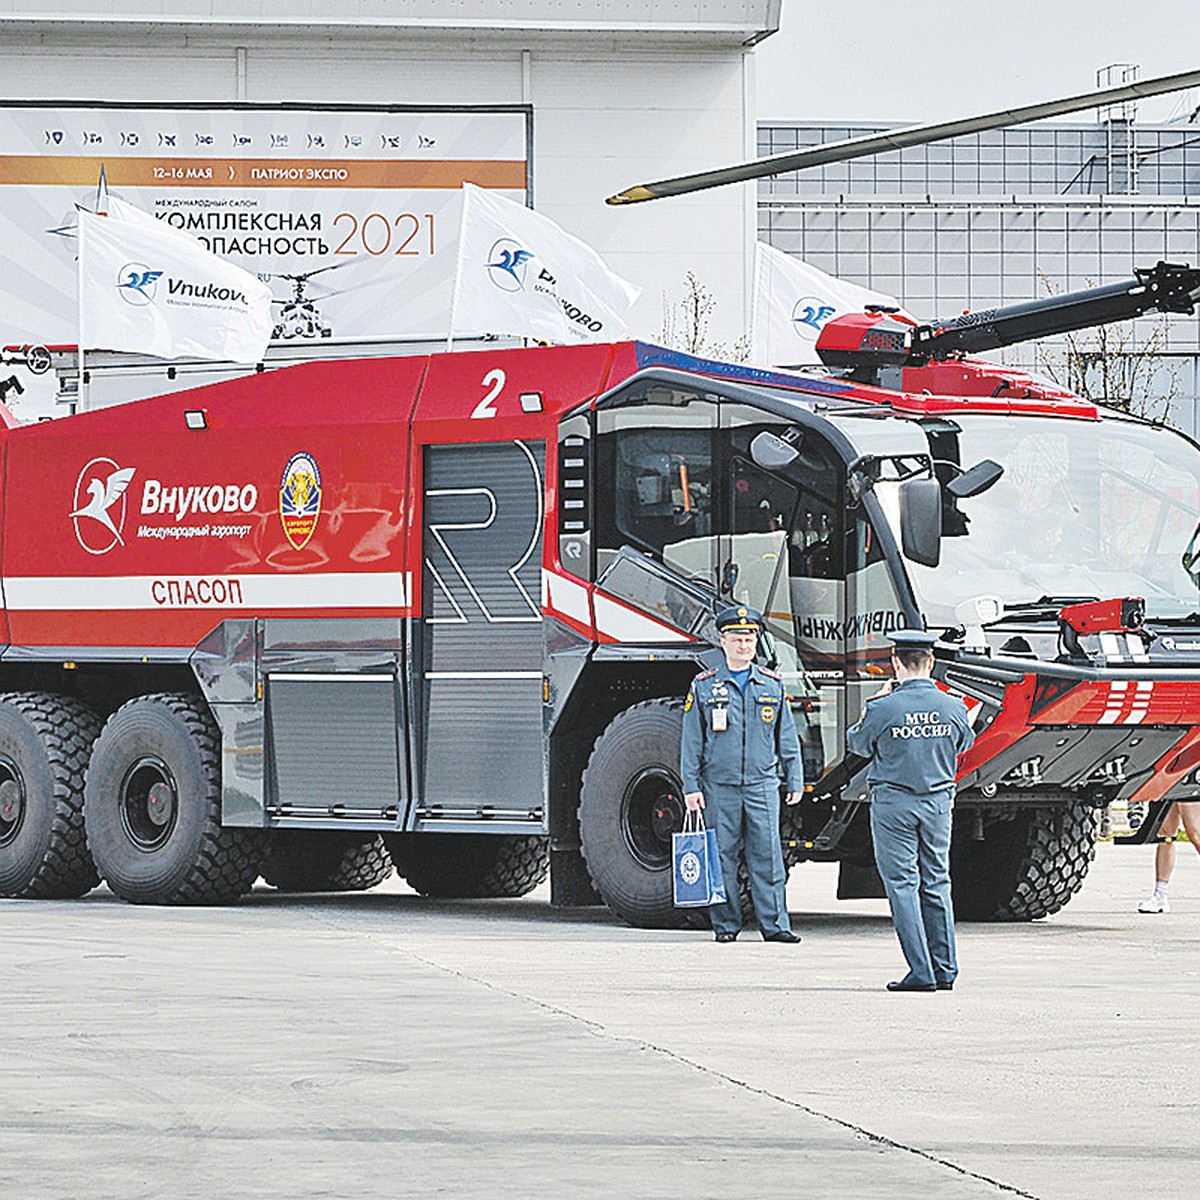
(1164, 853)
(1164, 862)
(1189, 814)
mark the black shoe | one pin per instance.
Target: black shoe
(945, 985)
(902, 985)
(725, 937)
(784, 935)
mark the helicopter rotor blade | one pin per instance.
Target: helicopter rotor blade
(302, 276)
(348, 262)
(899, 139)
(370, 271)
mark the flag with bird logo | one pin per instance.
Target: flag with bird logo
(792, 303)
(147, 288)
(521, 274)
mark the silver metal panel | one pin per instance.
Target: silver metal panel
(243, 803)
(483, 555)
(484, 747)
(480, 661)
(509, 826)
(334, 740)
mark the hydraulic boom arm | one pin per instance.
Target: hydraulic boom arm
(1167, 287)
(868, 341)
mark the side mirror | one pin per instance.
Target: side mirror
(771, 452)
(978, 479)
(921, 521)
(1191, 557)
(768, 652)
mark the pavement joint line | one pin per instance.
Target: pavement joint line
(600, 1030)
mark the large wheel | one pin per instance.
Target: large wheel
(45, 742)
(152, 807)
(325, 861)
(630, 803)
(470, 866)
(1027, 866)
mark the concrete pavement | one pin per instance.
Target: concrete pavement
(384, 1045)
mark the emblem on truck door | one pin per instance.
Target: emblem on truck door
(100, 518)
(300, 499)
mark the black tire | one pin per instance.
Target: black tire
(298, 860)
(45, 743)
(152, 807)
(470, 866)
(630, 802)
(1028, 865)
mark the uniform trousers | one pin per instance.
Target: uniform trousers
(912, 852)
(749, 814)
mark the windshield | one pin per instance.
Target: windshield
(1083, 510)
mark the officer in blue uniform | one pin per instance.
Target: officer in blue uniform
(738, 738)
(914, 732)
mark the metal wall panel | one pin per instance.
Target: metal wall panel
(334, 741)
(483, 555)
(481, 646)
(485, 744)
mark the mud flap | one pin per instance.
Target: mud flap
(858, 882)
(570, 883)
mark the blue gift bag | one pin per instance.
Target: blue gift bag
(696, 864)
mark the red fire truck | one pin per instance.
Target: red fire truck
(441, 611)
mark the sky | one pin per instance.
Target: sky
(903, 62)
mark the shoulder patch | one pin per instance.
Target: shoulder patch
(706, 674)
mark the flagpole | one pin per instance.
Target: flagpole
(80, 396)
(458, 266)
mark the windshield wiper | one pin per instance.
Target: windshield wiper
(1046, 606)
(1192, 618)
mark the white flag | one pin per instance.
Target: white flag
(792, 303)
(520, 274)
(147, 288)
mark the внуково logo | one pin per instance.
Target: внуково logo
(137, 284)
(506, 264)
(99, 520)
(809, 313)
(300, 499)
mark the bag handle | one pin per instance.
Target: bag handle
(693, 820)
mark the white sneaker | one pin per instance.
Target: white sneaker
(1155, 904)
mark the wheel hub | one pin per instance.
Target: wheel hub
(652, 810)
(160, 805)
(12, 802)
(149, 803)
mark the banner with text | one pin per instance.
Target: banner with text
(351, 217)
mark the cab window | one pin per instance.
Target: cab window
(660, 462)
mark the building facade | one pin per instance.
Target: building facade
(616, 93)
(1007, 216)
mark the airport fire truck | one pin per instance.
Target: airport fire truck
(440, 611)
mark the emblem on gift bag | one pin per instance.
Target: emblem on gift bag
(696, 863)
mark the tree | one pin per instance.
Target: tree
(685, 324)
(1119, 365)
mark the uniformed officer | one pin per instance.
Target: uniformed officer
(914, 732)
(738, 736)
